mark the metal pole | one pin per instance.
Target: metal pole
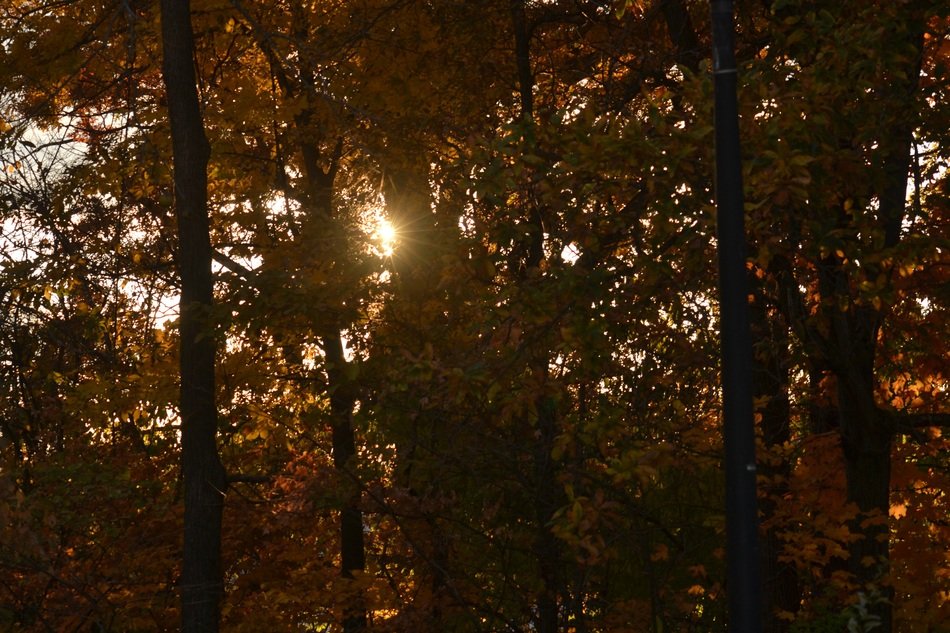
(745, 611)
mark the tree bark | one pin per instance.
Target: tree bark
(770, 380)
(689, 52)
(866, 440)
(203, 475)
(867, 434)
(547, 499)
(321, 222)
(843, 338)
(321, 219)
(546, 492)
(352, 547)
(416, 268)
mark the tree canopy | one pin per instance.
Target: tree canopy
(408, 308)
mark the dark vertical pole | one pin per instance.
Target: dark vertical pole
(736, 339)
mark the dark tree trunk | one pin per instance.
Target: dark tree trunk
(547, 499)
(352, 548)
(844, 345)
(866, 444)
(203, 475)
(416, 270)
(546, 493)
(866, 439)
(322, 223)
(523, 57)
(770, 378)
(679, 25)
(867, 432)
(322, 226)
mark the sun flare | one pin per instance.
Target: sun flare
(386, 236)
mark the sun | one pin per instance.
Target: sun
(385, 235)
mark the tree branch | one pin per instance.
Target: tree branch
(238, 269)
(238, 478)
(920, 420)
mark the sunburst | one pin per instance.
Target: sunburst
(386, 236)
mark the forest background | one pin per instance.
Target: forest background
(448, 325)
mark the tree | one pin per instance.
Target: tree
(510, 420)
(842, 238)
(204, 479)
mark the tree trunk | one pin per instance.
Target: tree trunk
(321, 222)
(845, 343)
(866, 443)
(203, 475)
(866, 432)
(770, 378)
(321, 225)
(546, 493)
(547, 499)
(352, 547)
(416, 270)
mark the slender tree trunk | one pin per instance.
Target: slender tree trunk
(416, 270)
(546, 492)
(523, 57)
(547, 498)
(342, 396)
(689, 51)
(352, 547)
(770, 377)
(321, 221)
(203, 475)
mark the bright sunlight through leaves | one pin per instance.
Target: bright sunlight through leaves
(385, 237)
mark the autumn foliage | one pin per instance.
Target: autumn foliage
(504, 416)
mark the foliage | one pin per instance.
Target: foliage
(518, 398)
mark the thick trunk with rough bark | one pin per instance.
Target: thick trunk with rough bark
(845, 343)
(203, 475)
(866, 431)
(866, 441)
